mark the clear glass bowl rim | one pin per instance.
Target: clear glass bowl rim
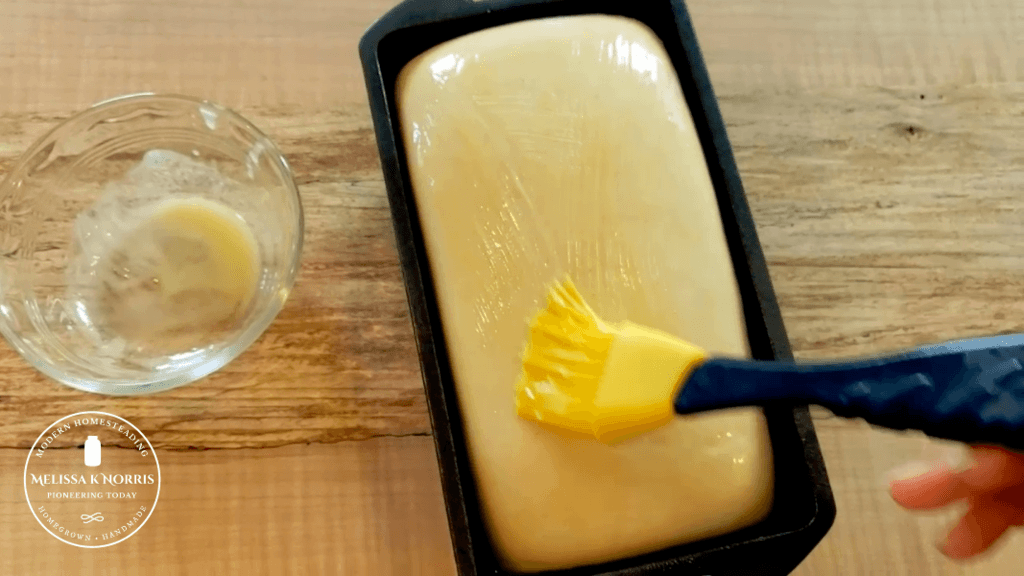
(163, 382)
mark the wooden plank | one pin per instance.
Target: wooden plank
(371, 507)
(877, 140)
(339, 363)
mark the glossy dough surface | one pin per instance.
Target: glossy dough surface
(559, 146)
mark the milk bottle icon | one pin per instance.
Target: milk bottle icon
(92, 451)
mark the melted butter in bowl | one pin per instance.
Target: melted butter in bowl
(148, 241)
(184, 276)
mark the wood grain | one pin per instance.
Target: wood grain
(61, 55)
(808, 45)
(339, 363)
(878, 141)
(371, 507)
(889, 217)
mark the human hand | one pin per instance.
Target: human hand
(993, 487)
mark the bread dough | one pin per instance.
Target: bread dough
(564, 146)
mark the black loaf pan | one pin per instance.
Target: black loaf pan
(804, 508)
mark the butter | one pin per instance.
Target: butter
(186, 272)
(563, 146)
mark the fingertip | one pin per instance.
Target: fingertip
(935, 487)
(983, 524)
(954, 548)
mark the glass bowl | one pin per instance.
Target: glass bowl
(145, 243)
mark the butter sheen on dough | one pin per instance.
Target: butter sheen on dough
(564, 145)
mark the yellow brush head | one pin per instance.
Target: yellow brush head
(584, 376)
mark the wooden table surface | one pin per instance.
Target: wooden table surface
(880, 142)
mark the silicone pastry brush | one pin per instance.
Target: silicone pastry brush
(614, 381)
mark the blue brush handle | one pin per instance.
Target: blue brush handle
(971, 391)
